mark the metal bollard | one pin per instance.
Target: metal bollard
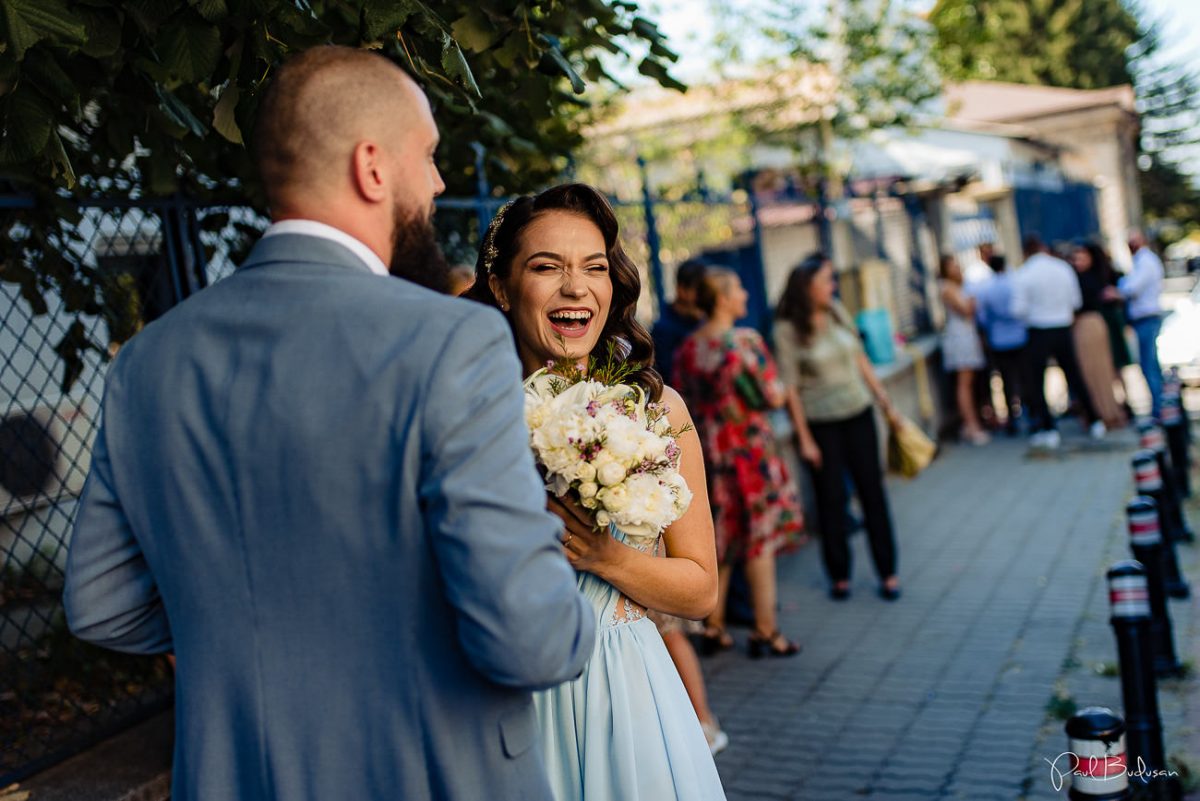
(1148, 482)
(1145, 540)
(1129, 601)
(1152, 438)
(1175, 425)
(1096, 744)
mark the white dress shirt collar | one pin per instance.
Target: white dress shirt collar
(323, 231)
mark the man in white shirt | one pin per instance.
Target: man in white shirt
(1046, 296)
(1142, 288)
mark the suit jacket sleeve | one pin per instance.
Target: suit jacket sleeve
(110, 596)
(521, 620)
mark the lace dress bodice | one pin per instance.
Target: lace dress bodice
(624, 610)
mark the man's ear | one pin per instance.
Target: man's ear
(366, 171)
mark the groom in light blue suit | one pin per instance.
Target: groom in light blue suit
(313, 484)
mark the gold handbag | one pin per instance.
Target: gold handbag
(909, 451)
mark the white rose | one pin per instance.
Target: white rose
(610, 473)
(588, 489)
(603, 518)
(587, 472)
(615, 499)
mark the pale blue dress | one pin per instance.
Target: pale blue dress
(625, 729)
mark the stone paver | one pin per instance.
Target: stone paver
(944, 694)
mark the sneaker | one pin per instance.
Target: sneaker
(1098, 430)
(977, 438)
(718, 740)
(1045, 440)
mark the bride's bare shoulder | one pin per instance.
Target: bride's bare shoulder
(677, 411)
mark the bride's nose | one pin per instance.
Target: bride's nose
(572, 286)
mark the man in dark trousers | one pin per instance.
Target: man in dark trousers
(1046, 295)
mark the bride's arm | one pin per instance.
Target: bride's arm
(683, 584)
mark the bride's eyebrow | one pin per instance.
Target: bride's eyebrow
(547, 255)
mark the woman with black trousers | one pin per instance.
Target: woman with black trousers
(831, 385)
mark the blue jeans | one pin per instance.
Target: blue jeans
(1146, 329)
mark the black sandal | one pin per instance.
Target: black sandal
(714, 639)
(769, 646)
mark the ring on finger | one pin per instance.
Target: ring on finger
(570, 537)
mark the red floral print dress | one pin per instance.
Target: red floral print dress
(728, 382)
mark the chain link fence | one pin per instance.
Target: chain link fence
(57, 694)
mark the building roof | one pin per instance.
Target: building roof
(998, 102)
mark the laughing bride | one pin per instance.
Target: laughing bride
(554, 266)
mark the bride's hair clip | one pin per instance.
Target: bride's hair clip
(490, 251)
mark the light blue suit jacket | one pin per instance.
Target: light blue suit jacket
(314, 485)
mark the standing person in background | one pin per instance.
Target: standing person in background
(1113, 311)
(730, 380)
(1046, 296)
(462, 278)
(977, 272)
(962, 352)
(679, 319)
(1142, 288)
(830, 383)
(677, 322)
(1091, 334)
(1005, 334)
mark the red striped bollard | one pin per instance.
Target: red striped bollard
(1096, 750)
(1148, 482)
(1152, 438)
(1145, 540)
(1129, 600)
(1175, 425)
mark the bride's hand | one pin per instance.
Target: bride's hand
(586, 547)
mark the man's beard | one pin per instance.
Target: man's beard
(417, 256)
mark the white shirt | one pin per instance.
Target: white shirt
(976, 273)
(1046, 292)
(1143, 286)
(323, 231)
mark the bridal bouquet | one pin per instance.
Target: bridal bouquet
(598, 437)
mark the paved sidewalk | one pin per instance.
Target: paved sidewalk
(944, 694)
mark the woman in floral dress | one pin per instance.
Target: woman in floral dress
(729, 381)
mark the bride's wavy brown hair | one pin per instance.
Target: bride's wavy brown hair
(621, 330)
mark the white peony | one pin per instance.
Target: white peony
(610, 473)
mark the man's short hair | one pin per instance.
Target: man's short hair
(689, 274)
(316, 109)
(1032, 243)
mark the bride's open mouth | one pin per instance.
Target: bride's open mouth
(570, 322)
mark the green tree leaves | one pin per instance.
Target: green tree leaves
(27, 22)
(154, 97)
(190, 52)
